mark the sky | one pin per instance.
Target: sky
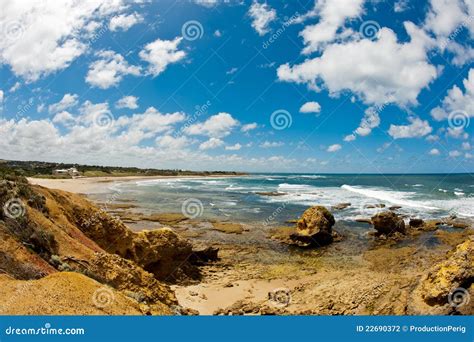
(319, 86)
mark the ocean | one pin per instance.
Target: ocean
(251, 199)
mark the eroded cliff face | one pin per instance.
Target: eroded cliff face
(50, 238)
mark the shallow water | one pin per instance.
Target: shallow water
(237, 198)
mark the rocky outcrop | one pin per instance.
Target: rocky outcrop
(388, 223)
(455, 273)
(341, 206)
(314, 228)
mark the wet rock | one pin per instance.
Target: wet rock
(388, 223)
(363, 220)
(373, 206)
(271, 193)
(340, 206)
(394, 207)
(314, 227)
(416, 223)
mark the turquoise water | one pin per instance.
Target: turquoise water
(237, 198)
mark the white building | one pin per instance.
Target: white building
(71, 172)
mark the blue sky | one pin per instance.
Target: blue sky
(305, 86)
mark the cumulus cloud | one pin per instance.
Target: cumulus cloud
(50, 35)
(350, 137)
(248, 127)
(129, 102)
(68, 101)
(401, 6)
(262, 15)
(434, 152)
(457, 101)
(370, 121)
(416, 129)
(235, 147)
(454, 154)
(123, 21)
(109, 70)
(216, 126)
(160, 53)
(332, 16)
(270, 144)
(212, 143)
(169, 142)
(378, 71)
(334, 148)
(310, 107)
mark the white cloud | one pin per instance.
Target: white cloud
(468, 156)
(124, 22)
(207, 3)
(334, 148)
(248, 127)
(401, 6)
(212, 143)
(445, 16)
(457, 133)
(15, 87)
(109, 70)
(216, 126)
(416, 129)
(434, 152)
(350, 137)
(271, 144)
(152, 120)
(231, 71)
(310, 107)
(64, 118)
(160, 53)
(454, 154)
(68, 101)
(1, 98)
(262, 15)
(466, 146)
(370, 121)
(129, 102)
(333, 15)
(217, 33)
(457, 101)
(235, 147)
(50, 34)
(169, 142)
(378, 72)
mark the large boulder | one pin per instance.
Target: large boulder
(451, 278)
(314, 227)
(388, 223)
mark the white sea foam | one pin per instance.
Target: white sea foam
(459, 193)
(443, 190)
(394, 197)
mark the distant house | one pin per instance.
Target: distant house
(67, 172)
